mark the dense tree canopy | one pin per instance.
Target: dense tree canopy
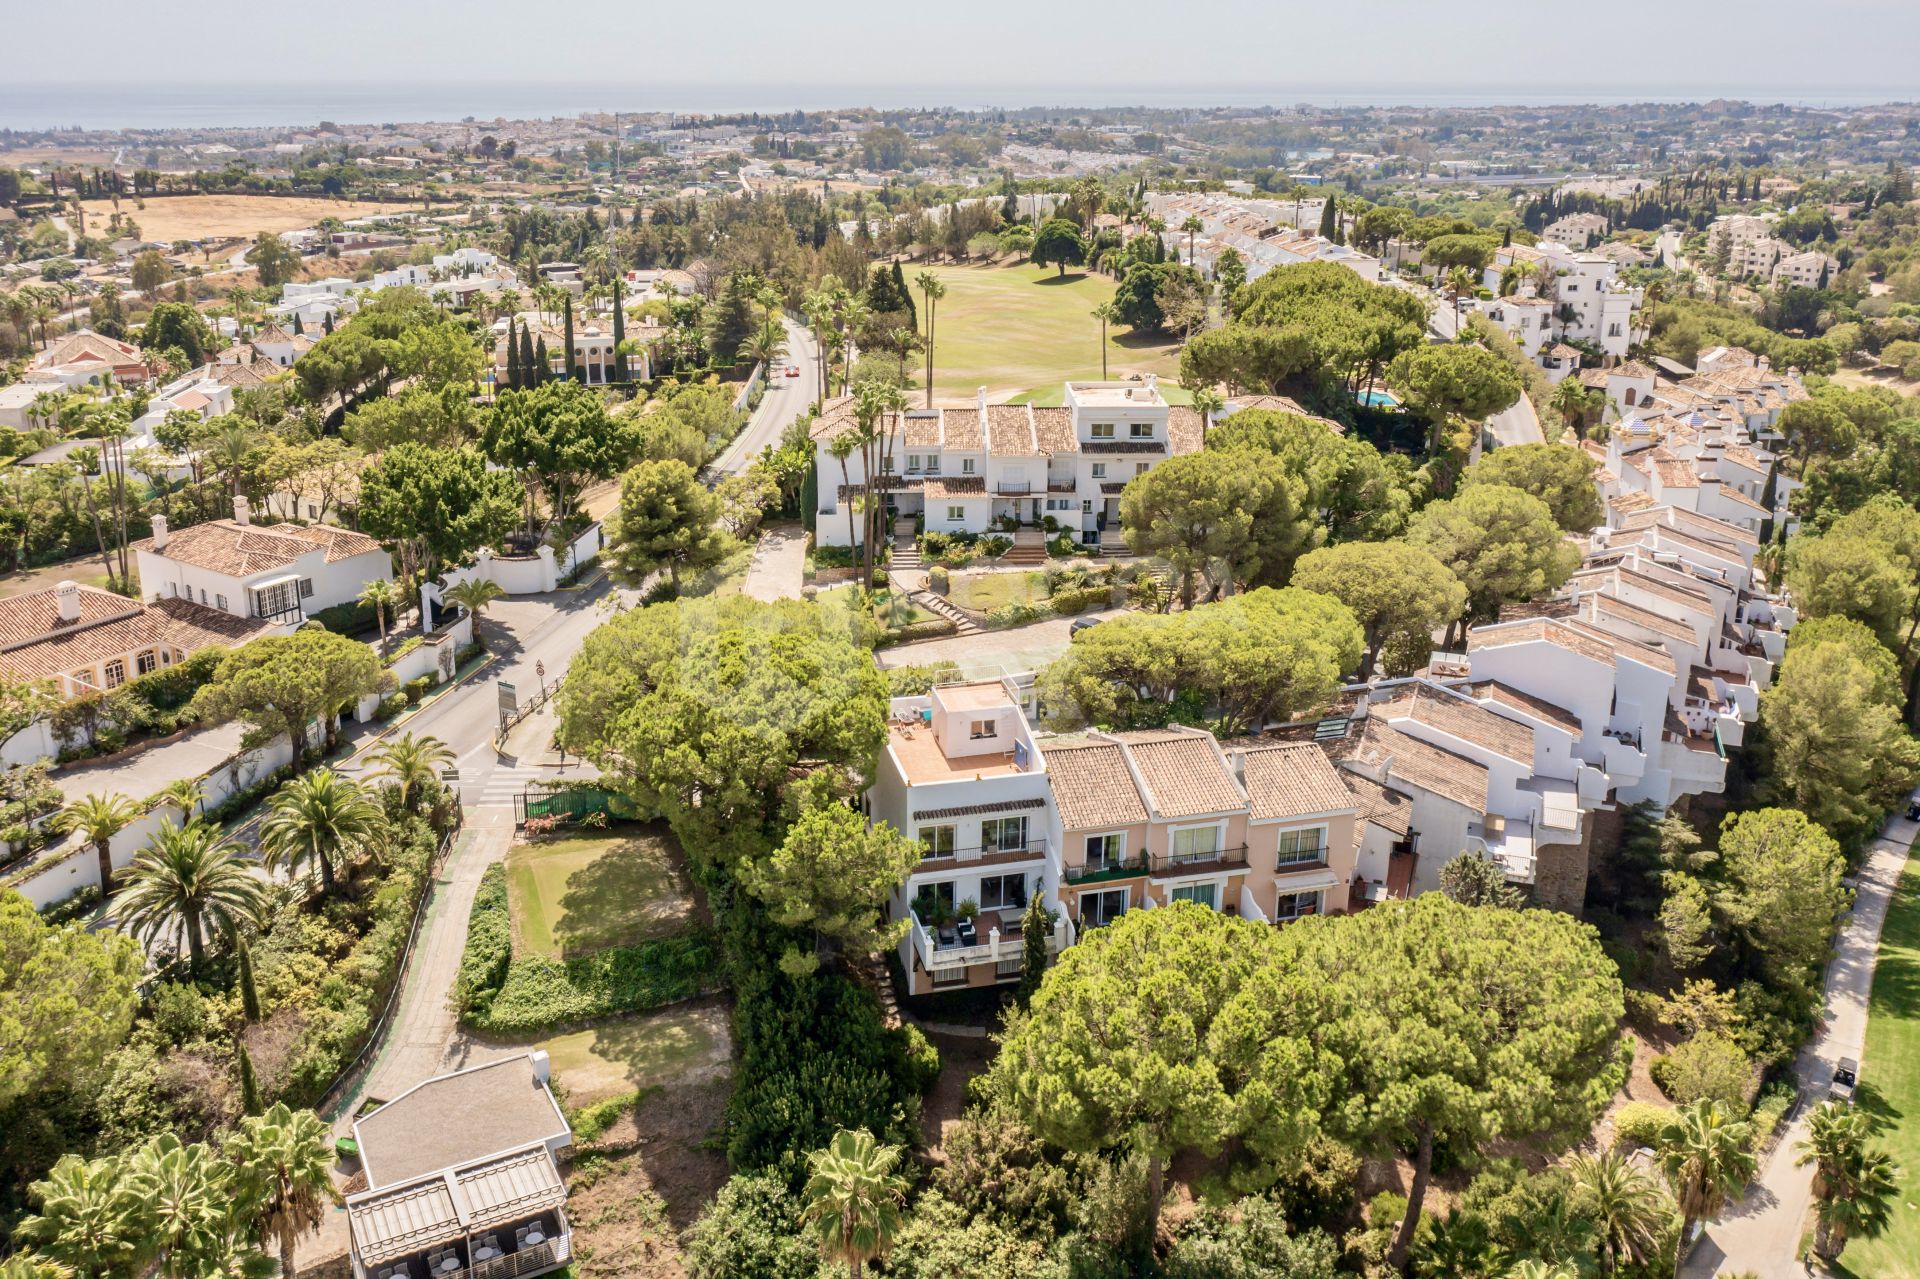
(667, 520)
(1558, 474)
(66, 999)
(1501, 543)
(1352, 491)
(556, 439)
(834, 873)
(1305, 325)
(1399, 593)
(1782, 889)
(436, 505)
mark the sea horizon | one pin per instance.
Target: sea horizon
(50, 107)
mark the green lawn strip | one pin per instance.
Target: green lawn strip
(1890, 1083)
(621, 1058)
(541, 994)
(989, 591)
(573, 896)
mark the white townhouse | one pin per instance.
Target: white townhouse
(281, 572)
(1576, 230)
(966, 468)
(1590, 303)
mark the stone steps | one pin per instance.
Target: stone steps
(1029, 547)
(940, 606)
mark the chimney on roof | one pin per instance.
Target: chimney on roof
(160, 533)
(982, 393)
(66, 596)
(1153, 384)
(542, 1066)
(242, 510)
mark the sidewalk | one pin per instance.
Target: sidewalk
(1761, 1234)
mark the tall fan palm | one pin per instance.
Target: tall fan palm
(1627, 1207)
(282, 1185)
(186, 1192)
(933, 291)
(1192, 226)
(1107, 314)
(87, 1220)
(97, 819)
(1835, 1144)
(410, 763)
(853, 1198)
(191, 879)
(380, 596)
(1866, 1207)
(1703, 1151)
(316, 820)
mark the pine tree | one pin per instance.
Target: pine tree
(249, 993)
(513, 356)
(901, 290)
(619, 333)
(572, 373)
(1330, 220)
(542, 362)
(249, 1083)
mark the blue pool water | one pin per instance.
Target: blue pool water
(1377, 400)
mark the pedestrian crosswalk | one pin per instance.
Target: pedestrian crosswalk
(499, 784)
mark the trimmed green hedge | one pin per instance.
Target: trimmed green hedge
(489, 950)
(540, 994)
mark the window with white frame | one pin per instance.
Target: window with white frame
(983, 728)
(1297, 905)
(220, 602)
(936, 841)
(1101, 430)
(1140, 430)
(966, 466)
(1196, 843)
(306, 588)
(1003, 835)
(147, 662)
(1099, 470)
(1140, 468)
(1301, 846)
(116, 673)
(1102, 907)
(1207, 895)
(913, 464)
(1003, 892)
(956, 514)
(1106, 851)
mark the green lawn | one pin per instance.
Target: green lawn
(1015, 329)
(985, 592)
(1890, 1083)
(575, 896)
(647, 1050)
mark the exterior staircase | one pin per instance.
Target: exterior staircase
(906, 548)
(1029, 547)
(940, 606)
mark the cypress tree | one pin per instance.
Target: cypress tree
(619, 333)
(249, 993)
(901, 291)
(1506, 238)
(326, 322)
(571, 374)
(249, 1084)
(1329, 220)
(542, 362)
(530, 373)
(513, 356)
(296, 323)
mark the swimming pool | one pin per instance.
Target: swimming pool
(1377, 400)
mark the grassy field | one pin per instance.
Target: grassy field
(574, 896)
(1020, 329)
(673, 1046)
(1890, 1084)
(203, 217)
(984, 592)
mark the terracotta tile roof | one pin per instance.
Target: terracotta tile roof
(173, 623)
(1292, 780)
(1631, 368)
(85, 346)
(1538, 630)
(1182, 773)
(1408, 761)
(1676, 473)
(1091, 785)
(1692, 523)
(239, 550)
(1387, 809)
(239, 376)
(1054, 428)
(1010, 431)
(1603, 607)
(27, 619)
(921, 431)
(1186, 430)
(1632, 650)
(940, 488)
(1649, 535)
(1627, 503)
(1492, 690)
(962, 429)
(1460, 717)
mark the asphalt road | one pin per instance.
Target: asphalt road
(786, 399)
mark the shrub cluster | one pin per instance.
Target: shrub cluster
(489, 949)
(540, 994)
(153, 705)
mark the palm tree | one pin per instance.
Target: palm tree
(87, 1220)
(853, 1198)
(1460, 282)
(1865, 1208)
(872, 402)
(284, 1187)
(1570, 401)
(841, 447)
(1207, 402)
(855, 315)
(1192, 226)
(1703, 1152)
(766, 346)
(185, 794)
(819, 306)
(1533, 1268)
(1836, 1145)
(474, 595)
(1626, 1206)
(933, 291)
(315, 820)
(1106, 314)
(410, 763)
(189, 878)
(97, 819)
(380, 596)
(185, 1190)
(31, 1265)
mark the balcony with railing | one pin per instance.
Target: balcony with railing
(514, 1251)
(1198, 862)
(1294, 860)
(997, 853)
(945, 951)
(1098, 870)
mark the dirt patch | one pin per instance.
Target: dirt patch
(686, 1044)
(961, 1058)
(199, 217)
(635, 1190)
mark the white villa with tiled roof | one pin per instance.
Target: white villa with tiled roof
(964, 468)
(279, 572)
(82, 638)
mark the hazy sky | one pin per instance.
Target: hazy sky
(1037, 52)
